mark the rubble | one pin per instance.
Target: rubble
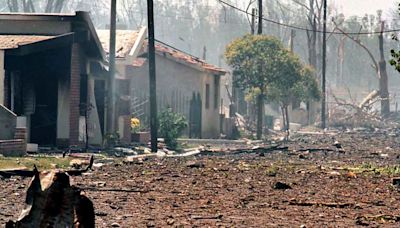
(53, 202)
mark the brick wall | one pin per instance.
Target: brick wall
(74, 95)
(16, 146)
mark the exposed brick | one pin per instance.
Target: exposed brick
(74, 95)
(14, 147)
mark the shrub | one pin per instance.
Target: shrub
(171, 125)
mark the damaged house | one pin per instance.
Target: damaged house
(187, 84)
(53, 77)
(127, 47)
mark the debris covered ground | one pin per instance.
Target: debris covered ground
(316, 180)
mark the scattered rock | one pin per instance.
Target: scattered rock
(334, 173)
(115, 225)
(351, 175)
(337, 145)
(170, 221)
(151, 224)
(396, 181)
(98, 165)
(281, 186)
(195, 164)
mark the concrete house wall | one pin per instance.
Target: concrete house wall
(173, 76)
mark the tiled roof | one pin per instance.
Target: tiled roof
(125, 39)
(138, 62)
(14, 41)
(188, 59)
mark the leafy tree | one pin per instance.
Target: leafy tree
(257, 61)
(297, 82)
(171, 125)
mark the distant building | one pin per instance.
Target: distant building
(128, 45)
(187, 84)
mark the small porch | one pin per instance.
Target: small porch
(48, 83)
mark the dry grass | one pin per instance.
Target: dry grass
(44, 162)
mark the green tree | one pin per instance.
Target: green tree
(296, 82)
(256, 61)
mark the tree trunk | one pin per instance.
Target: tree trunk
(283, 118)
(287, 122)
(287, 118)
(383, 77)
(13, 5)
(260, 115)
(49, 6)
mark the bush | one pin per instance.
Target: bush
(171, 125)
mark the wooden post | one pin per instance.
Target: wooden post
(253, 21)
(260, 98)
(152, 77)
(323, 103)
(111, 80)
(260, 16)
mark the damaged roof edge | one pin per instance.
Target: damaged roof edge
(38, 16)
(86, 18)
(179, 56)
(76, 19)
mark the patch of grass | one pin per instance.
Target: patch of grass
(28, 162)
(377, 170)
(271, 171)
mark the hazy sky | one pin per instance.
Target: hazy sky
(360, 7)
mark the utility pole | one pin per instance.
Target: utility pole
(323, 108)
(111, 79)
(253, 21)
(260, 98)
(260, 16)
(152, 77)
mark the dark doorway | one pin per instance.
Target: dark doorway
(44, 120)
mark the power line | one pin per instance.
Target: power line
(306, 29)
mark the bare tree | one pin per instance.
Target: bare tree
(30, 6)
(379, 67)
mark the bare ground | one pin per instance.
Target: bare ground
(329, 187)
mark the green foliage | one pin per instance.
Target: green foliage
(256, 60)
(171, 125)
(262, 65)
(298, 82)
(395, 61)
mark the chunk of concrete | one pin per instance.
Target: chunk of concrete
(8, 123)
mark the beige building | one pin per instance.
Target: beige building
(188, 85)
(127, 47)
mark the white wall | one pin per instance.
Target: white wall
(173, 76)
(63, 108)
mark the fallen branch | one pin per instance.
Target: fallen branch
(321, 204)
(316, 149)
(94, 189)
(199, 217)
